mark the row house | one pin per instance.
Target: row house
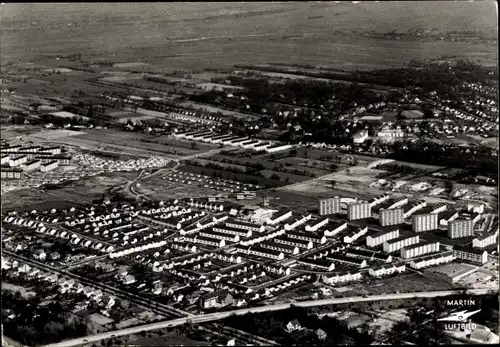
(204, 240)
(280, 247)
(269, 236)
(294, 242)
(335, 228)
(378, 200)
(307, 237)
(361, 263)
(298, 222)
(236, 224)
(279, 217)
(261, 252)
(315, 263)
(278, 270)
(317, 224)
(369, 255)
(410, 209)
(432, 260)
(220, 236)
(228, 258)
(233, 231)
(183, 247)
(387, 269)
(341, 278)
(356, 234)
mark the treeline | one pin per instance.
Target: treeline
(430, 153)
(34, 325)
(273, 325)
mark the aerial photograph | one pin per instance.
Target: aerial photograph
(249, 173)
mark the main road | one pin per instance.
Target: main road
(225, 314)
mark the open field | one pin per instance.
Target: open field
(225, 34)
(80, 192)
(171, 339)
(137, 144)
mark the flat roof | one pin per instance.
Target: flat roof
(468, 249)
(401, 238)
(420, 244)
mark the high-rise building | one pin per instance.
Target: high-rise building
(359, 210)
(424, 222)
(329, 206)
(388, 217)
(460, 228)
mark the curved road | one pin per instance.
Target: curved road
(221, 315)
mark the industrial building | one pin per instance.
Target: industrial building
(329, 206)
(470, 254)
(460, 228)
(419, 249)
(359, 210)
(381, 237)
(424, 222)
(389, 217)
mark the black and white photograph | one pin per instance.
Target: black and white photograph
(253, 173)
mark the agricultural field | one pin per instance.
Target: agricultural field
(80, 192)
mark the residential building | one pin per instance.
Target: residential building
(237, 224)
(379, 238)
(389, 217)
(17, 160)
(11, 173)
(424, 222)
(354, 235)
(31, 165)
(460, 228)
(277, 148)
(387, 269)
(5, 159)
(334, 228)
(432, 260)
(419, 249)
(49, 166)
(485, 239)
(341, 277)
(329, 206)
(471, 254)
(279, 217)
(410, 209)
(359, 210)
(316, 224)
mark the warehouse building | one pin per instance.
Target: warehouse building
(359, 210)
(470, 254)
(424, 222)
(400, 242)
(460, 228)
(329, 206)
(388, 217)
(419, 249)
(379, 238)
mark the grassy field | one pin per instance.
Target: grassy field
(225, 34)
(78, 192)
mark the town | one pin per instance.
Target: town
(253, 202)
